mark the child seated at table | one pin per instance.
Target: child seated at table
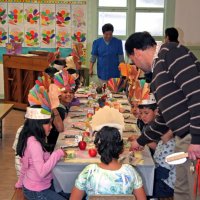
(148, 111)
(109, 176)
(67, 86)
(37, 158)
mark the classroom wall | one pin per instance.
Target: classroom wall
(187, 17)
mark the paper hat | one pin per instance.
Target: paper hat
(36, 113)
(70, 63)
(107, 116)
(116, 84)
(150, 100)
(64, 80)
(38, 95)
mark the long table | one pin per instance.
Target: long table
(66, 171)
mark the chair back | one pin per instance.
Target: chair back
(112, 197)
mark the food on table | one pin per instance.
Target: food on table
(70, 154)
(82, 145)
(92, 152)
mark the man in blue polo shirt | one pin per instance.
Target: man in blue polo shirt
(109, 53)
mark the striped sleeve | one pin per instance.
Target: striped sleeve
(184, 68)
(153, 131)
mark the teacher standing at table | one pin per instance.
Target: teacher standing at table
(109, 54)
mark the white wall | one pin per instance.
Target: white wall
(187, 20)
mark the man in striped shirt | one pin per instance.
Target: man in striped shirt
(176, 86)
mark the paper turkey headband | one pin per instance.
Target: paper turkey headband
(38, 96)
(64, 80)
(107, 116)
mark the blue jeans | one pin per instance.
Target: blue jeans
(47, 194)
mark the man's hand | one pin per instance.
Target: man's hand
(194, 151)
(135, 146)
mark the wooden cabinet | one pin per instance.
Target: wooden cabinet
(20, 73)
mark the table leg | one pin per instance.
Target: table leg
(1, 129)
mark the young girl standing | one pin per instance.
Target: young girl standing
(36, 161)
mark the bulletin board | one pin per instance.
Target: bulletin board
(43, 24)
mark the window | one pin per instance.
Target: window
(149, 17)
(150, 3)
(151, 22)
(110, 3)
(129, 16)
(117, 19)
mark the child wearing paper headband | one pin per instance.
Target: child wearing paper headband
(36, 161)
(109, 176)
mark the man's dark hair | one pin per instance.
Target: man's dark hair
(172, 34)
(139, 40)
(107, 27)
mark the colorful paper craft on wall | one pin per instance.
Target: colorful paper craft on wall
(47, 13)
(48, 36)
(79, 16)
(32, 38)
(3, 15)
(16, 35)
(32, 15)
(62, 38)
(79, 37)
(15, 13)
(3, 36)
(62, 18)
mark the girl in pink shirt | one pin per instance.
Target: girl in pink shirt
(36, 160)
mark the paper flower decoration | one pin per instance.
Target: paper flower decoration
(62, 18)
(3, 36)
(79, 18)
(47, 36)
(47, 17)
(16, 36)
(2, 16)
(15, 16)
(32, 16)
(62, 39)
(31, 38)
(79, 37)
(116, 84)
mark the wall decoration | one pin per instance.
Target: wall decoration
(16, 34)
(45, 24)
(15, 13)
(63, 38)
(32, 37)
(63, 17)
(47, 14)
(3, 13)
(79, 36)
(79, 16)
(3, 37)
(47, 37)
(31, 13)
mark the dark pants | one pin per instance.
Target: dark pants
(48, 194)
(161, 189)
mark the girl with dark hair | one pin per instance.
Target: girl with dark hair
(36, 161)
(37, 158)
(109, 176)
